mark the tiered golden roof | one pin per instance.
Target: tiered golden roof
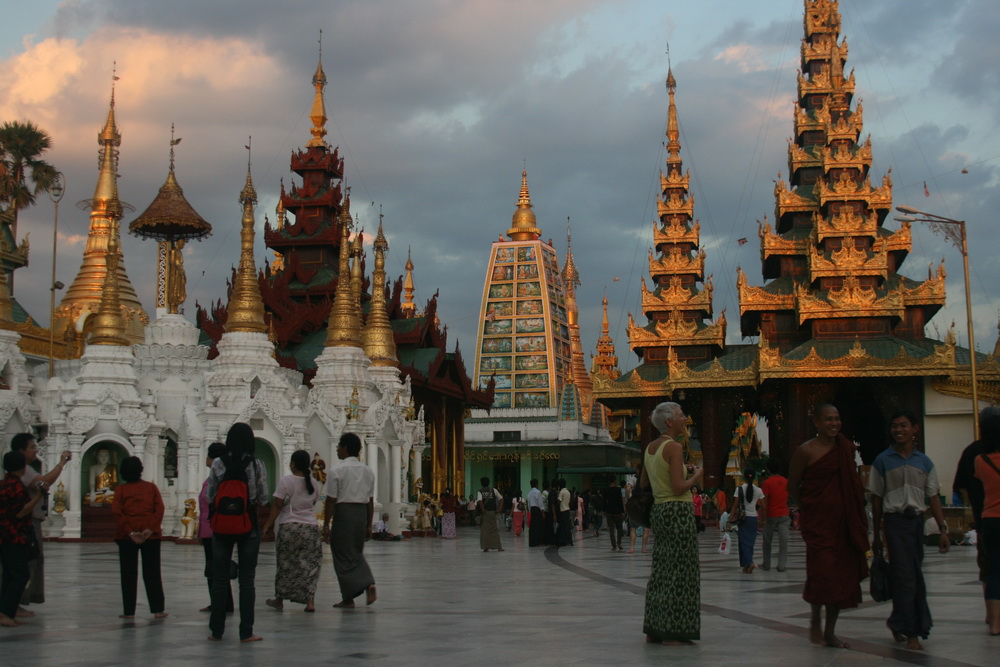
(676, 307)
(605, 364)
(246, 308)
(376, 337)
(84, 294)
(344, 325)
(828, 254)
(523, 222)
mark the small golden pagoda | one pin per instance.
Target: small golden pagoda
(246, 309)
(84, 294)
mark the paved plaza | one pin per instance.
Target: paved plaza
(445, 602)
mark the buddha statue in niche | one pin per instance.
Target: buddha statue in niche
(103, 479)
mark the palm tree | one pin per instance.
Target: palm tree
(21, 145)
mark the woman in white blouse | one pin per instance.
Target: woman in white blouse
(297, 546)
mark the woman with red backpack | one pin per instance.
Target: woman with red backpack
(237, 483)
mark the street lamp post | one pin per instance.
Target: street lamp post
(56, 193)
(947, 227)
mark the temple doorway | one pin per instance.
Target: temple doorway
(98, 478)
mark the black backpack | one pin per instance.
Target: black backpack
(489, 499)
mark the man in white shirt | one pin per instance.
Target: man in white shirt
(536, 507)
(564, 535)
(350, 506)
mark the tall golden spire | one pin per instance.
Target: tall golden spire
(246, 308)
(578, 368)
(107, 326)
(318, 113)
(523, 223)
(673, 131)
(84, 294)
(343, 328)
(408, 307)
(377, 335)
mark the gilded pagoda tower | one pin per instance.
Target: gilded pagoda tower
(84, 294)
(834, 304)
(524, 335)
(678, 309)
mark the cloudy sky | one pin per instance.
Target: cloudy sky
(437, 105)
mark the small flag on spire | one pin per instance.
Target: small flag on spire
(616, 279)
(742, 241)
(927, 193)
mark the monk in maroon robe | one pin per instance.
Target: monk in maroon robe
(823, 478)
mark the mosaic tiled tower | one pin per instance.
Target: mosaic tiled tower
(524, 332)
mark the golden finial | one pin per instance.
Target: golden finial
(343, 328)
(408, 307)
(377, 338)
(673, 128)
(106, 193)
(523, 223)
(246, 308)
(570, 273)
(107, 323)
(318, 113)
(173, 142)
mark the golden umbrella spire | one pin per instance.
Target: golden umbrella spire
(379, 344)
(673, 131)
(318, 113)
(343, 328)
(107, 322)
(408, 307)
(84, 294)
(246, 308)
(523, 223)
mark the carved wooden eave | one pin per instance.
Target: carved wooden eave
(675, 205)
(715, 375)
(856, 363)
(823, 21)
(824, 51)
(774, 244)
(675, 262)
(753, 298)
(802, 158)
(676, 331)
(630, 386)
(851, 300)
(676, 233)
(677, 297)
(846, 189)
(35, 341)
(810, 121)
(12, 256)
(848, 128)
(842, 157)
(674, 179)
(900, 240)
(790, 201)
(930, 292)
(960, 385)
(848, 223)
(848, 260)
(820, 83)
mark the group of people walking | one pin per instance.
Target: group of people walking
(231, 494)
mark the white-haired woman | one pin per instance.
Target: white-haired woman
(673, 594)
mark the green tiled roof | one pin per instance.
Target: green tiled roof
(19, 314)
(733, 358)
(305, 352)
(881, 348)
(406, 325)
(324, 276)
(419, 358)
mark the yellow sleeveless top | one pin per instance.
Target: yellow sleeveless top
(658, 472)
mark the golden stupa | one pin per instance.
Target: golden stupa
(84, 295)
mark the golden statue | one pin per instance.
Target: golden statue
(190, 520)
(103, 479)
(59, 499)
(176, 278)
(318, 469)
